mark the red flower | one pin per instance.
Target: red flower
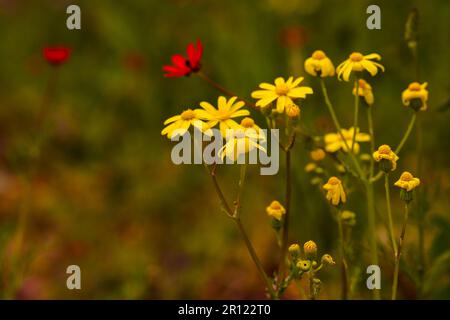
(56, 55)
(182, 66)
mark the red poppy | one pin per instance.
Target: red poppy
(56, 55)
(182, 66)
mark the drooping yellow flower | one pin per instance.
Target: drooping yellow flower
(335, 191)
(334, 142)
(385, 152)
(179, 124)
(365, 91)
(358, 62)
(276, 210)
(293, 111)
(317, 154)
(224, 114)
(319, 65)
(283, 92)
(310, 248)
(249, 124)
(407, 181)
(416, 92)
(240, 142)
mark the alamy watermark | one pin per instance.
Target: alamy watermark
(239, 146)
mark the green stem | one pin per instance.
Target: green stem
(237, 203)
(399, 252)
(355, 116)
(339, 129)
(372, 230)
(344, 270)
(372, 140)
(420, 213)
(401, 144)
(389, 212)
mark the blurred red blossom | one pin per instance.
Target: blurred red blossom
(56, 55)
(182, 66)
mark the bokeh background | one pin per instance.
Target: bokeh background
(104, 193)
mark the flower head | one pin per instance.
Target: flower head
(283, 92)
(56, 55)
(358, 62)
(293, 111)
(348, 217)
(365, 91)
(334, 141)
(240, 142)
(276, 210)
(416, 96)
(294, 249)
(335, 191)
(249, 124)
(327, 259)
(317, 154)
(386, 157)
(319, 65)
(310, 248)
(304, 265)
(179, 124)
(407, 181)
(226, 110)
(182, 66)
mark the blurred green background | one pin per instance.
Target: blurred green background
(105, 194)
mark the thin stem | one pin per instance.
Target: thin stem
(399, 252)
(372, 230)
(238, 222)
(420, 213)
(222, 89)
(255, 258)
(237, 203)
(389, 212)
(355, 116)
(372, 139)
(344, 270)
(407, 133)
(339, 129)
(285, 236)
(401, 144)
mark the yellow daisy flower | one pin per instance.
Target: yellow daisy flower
(249, 124)
(385, 152)
(358, 62)
(283, 91)
(335, 191)
(334, 142)
(276, 210)
(319, 65)
(241, 142)
(365, 91)
(416, 92)
(224, 113)
(407, 182)
(179, 124)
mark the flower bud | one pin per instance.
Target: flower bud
(294, 249)
(327, 259)
(348, 217)
(304, 265)
(310, 248)
(293, 111)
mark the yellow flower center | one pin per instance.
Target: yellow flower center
(318, 55)
(384, 149)
(247, 122)
(188, 114)
(334, 181)
(415, 86)
(282, 89)
(406, 176)
(362, 83)
(275, 205)
(356, 57)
